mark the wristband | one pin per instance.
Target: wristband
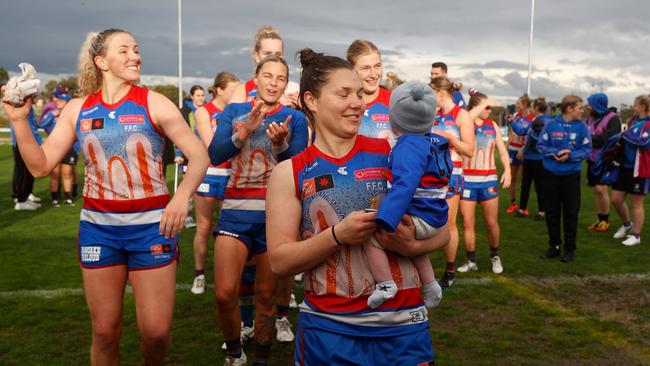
(334, 236)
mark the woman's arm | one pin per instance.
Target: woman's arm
(287, 253)
(503, 156)
(166, 116)
(403, 241)
(465, 146)
(41, 159)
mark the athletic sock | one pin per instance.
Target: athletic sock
(233, 347)
(636, 235)
(627, 224)
(383, 291)
(75, 190)
(602, 217)
(494, 252)
(451, 266)
(67, 195)
(432, 294)
(471, 256)
(55, 196)
(198, 272)
(282, 311)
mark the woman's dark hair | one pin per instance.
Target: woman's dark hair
(271, 58)
(316, 68)
(525, 100)
(539, 104)
(476, 97)
(195, 88)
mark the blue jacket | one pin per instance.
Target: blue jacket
(634, 138)
(559, 135)
(32, 124)
(530, 147)
(420, 167)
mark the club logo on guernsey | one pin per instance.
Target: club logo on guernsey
(91, 254)
(88, 124)
(156, 249)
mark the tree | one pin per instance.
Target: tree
(70, 83)
(4, 76)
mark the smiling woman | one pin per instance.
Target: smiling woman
(128, 223)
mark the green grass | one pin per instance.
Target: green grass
(590, 312)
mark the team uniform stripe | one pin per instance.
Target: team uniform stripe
(244, 204)
(121, 219)
(125, 206)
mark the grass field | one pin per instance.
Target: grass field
(595, 311)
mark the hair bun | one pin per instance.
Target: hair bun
(308, 57)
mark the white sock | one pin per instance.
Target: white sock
(383, 291)
(432, 293)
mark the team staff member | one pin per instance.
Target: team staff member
(212, 188)
(481, 185)
(603, 123)
(454, 123)
(316, 224)
(634, 177)
(64, 171)
(565, 143)
(519, 126)
(255, 137)
(533, 169)
(128, 223)
(365, 57)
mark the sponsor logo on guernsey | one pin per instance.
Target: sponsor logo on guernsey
(131, 119)
(91, 253)
(167, 248)
(342, 170)
(378, 117)
(111, 114)
(311, 167)
(91, 110)
(370, 173)
(308, 187)
(89, 124)
(156, 249)
(492, 189)
(557, 134)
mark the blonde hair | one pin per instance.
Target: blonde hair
(393, 81)
(90, 77)
(265, 32)
(442, 83)
(359, 48)
(643, 100)
(525, 100)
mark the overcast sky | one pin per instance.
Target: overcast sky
(580, 46)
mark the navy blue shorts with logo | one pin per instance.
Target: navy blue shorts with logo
(138, 246)
(253, 235)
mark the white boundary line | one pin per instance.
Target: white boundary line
(484, 281)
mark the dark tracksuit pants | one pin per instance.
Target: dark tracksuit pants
(23, 180)
(533, 173)
(562, 203)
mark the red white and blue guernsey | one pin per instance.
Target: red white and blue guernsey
(337, 290)
(375, 122)
(520, 125)
(216, 177)
(124, 189)
(480, 171)
(251, 90)
(447, 122)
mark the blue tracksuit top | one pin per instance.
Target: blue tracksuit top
(419, 170)
(530, 147)
(634, 138)
(559, 135)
